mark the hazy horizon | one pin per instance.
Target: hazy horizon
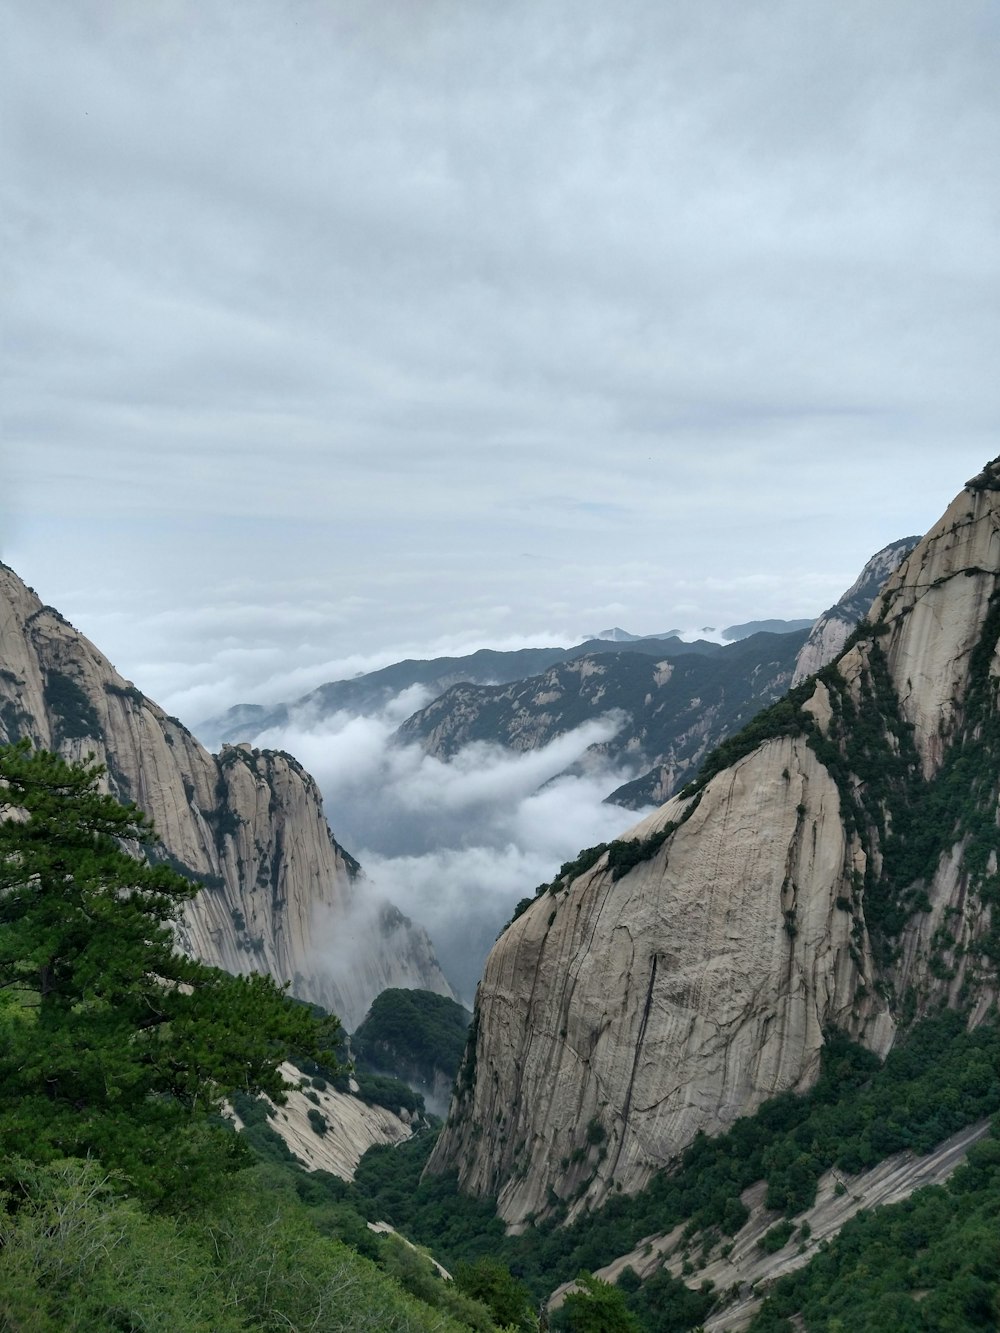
(336, 332)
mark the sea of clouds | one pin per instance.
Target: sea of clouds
(455, 844)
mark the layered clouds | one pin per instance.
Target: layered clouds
(455, 845)
(335, 329)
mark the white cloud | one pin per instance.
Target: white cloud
(455, 845)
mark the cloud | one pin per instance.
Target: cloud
(455, 845)
(330, 309)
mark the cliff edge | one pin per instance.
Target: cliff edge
(835, 865)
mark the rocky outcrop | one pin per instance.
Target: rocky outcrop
(619, 1016)
(329, 1130)
(834, 627)
(281, 896)
(836, 867)
(744, 1271)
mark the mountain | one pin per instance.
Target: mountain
(281, 896)
(835, 626)
(415, 1036)
(673, 709)
(618, 635)
(734, 632)
(372, 691)
(832, 870)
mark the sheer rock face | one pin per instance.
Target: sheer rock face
(281, 897)
(834, 627)
(936, 605)
(635, 1012)
(617, 1018)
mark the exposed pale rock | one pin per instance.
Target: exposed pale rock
(282, 896)
(352, 1127)
(935, 606)
(619, 1017)
(738, 1263)
(834, 627)
(674, 999)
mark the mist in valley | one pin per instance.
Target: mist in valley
(456, 844)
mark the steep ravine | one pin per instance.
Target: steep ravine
(804, 885)
(282, 897)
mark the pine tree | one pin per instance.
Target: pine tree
(113, 1043)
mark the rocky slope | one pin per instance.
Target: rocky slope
(281, 896)
(743, 1271)
(834, 627)
(348, 1127)
(835, 865)
(673, 708)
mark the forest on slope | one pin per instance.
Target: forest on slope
(126, 1200)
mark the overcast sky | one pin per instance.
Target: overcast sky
(336, 330)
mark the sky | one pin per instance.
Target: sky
(335, 332)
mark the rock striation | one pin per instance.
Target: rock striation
(835, 626)
(835, 865)
(347, 1129)
(281, 896)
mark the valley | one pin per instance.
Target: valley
(724, 1030)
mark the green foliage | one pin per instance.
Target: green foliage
(317, 1121)
(120, 1047)
(662, 1304)
(389, 1185)
(491, 1283)
(596, 1133)
(595, 1307)
(129, 692)
(413, 1034)
(114, 1046)
(281, 1272)
(932, 1262)
(987, 480)
(392, 1093)
(939, 1079)
(624, 853)
(75, 1254)
(584, 861)
(777, 1238)
(74, 714)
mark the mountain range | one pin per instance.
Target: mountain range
(810, 918)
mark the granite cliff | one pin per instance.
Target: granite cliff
(834, 627)
(281, 895)
(834, 865)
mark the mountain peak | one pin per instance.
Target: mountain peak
(834, 867)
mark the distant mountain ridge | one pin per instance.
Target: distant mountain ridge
(673, 709)
(375, 689)
(832, 870)
(835, 626)
(736, 632)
